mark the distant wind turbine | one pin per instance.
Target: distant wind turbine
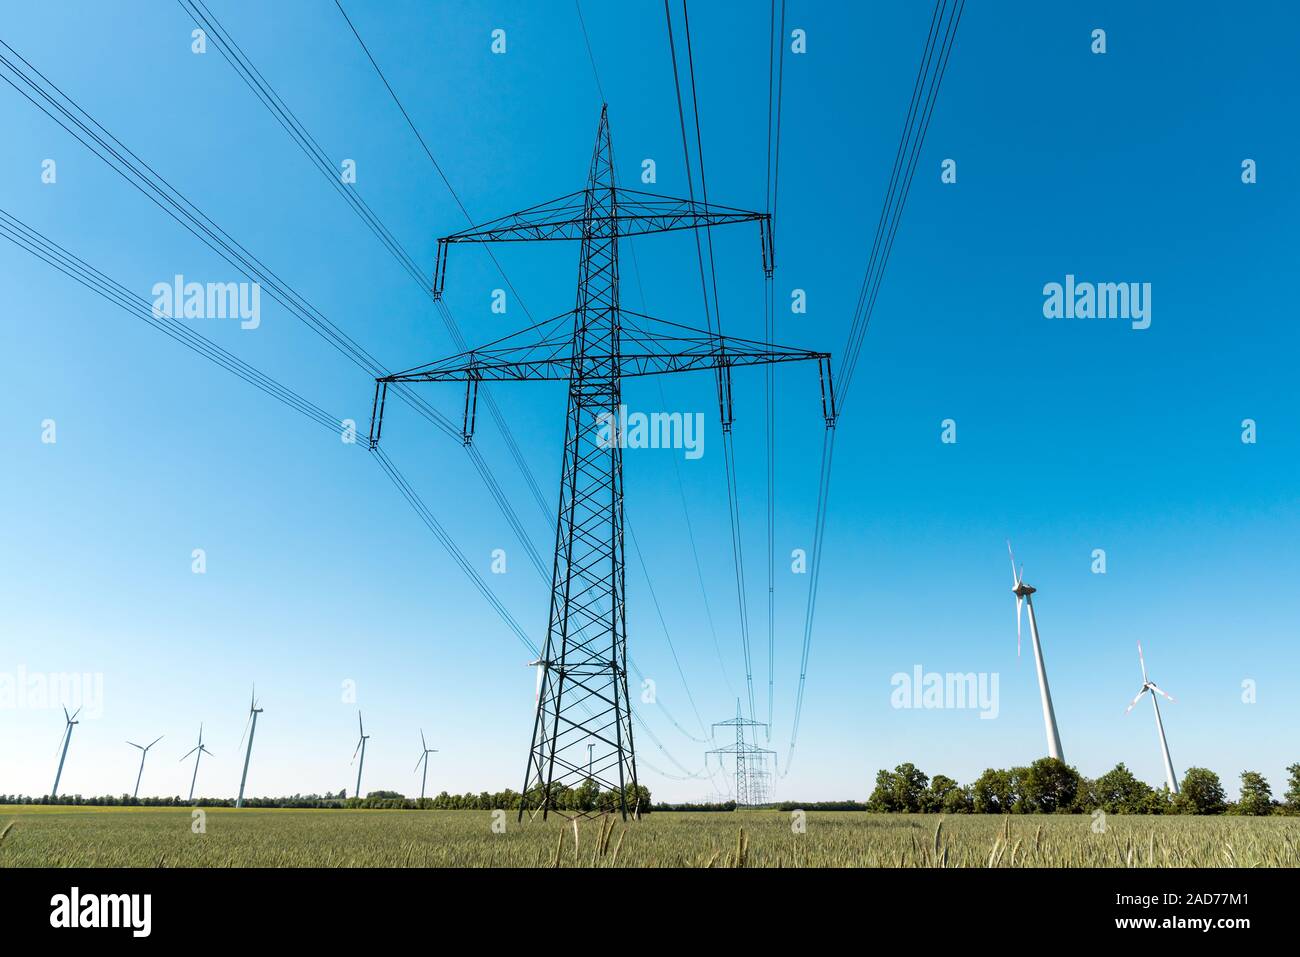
(1024, 596)
(144, 753)
(1149, 685)
(250, 728)
(361, 747)
(198, 751)
(424, 757)
(540, 665)
(71, 719)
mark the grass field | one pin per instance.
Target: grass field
(148, 837)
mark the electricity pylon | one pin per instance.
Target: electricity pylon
(751, 760)
(584, 696)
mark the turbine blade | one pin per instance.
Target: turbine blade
(361, 728)
(1143, 662)
(75, 713)
(247, 722)
(155, 741)
(423, 757)
(189, 752)
(1015, 579)
(422, 742)
(67, 717)
(134, 745)
(1135, 700)
(1157, 690)
(354, 753)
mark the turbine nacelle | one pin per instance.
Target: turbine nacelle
(1021, 591)
(425, 751)
(361, 740)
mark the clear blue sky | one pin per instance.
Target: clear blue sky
(1071, 435)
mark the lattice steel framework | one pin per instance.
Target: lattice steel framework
(751, 761)
(583, 696)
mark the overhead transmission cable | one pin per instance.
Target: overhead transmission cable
(775, 85)
(261, 88)
(710, 311)
(29, 239)
(502, 425)
(929, 76)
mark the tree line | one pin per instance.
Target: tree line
(585, 797)
(1050, 786)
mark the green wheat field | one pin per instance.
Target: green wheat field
(166, 837)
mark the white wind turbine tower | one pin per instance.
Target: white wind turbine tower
(424, 756)
(71, 719)
(1024, 596)
(250, 728)
(198, 751)
(540, 665)
(1149, 685)
(361, 747)
(144, 753)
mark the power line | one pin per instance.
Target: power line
(500, 421)
(721, 378)
(934, 62)
(77, 269)
(256, 82)
(930, 73)
(681, 491)
(775, 78)
(590, 56)
(31, 240)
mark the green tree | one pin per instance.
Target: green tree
(940, 787)
(1202, 793)
(882, 796)
(1049, 785)
(909, 787)
(1016, 782)
(1085, 800)
(1293, 789)
(958, 801)
(1256, 795)
(586, 795)
(993, 792)
(1118, 791)
(901, 790)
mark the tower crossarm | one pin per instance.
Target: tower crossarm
(648, 346)
(634, 213)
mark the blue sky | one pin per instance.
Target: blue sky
(1071, 435)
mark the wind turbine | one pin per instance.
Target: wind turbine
(1024, 596)
(424, 756)
(361, 747)
(540, 664)
(144, 753)
(1149, 685)
(71, 719)
(198, 750)
(251, 723)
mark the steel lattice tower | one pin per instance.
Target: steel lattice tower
(751, 773)
(584, 695)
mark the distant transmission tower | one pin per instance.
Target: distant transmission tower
(751, 761)
(584, 696)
